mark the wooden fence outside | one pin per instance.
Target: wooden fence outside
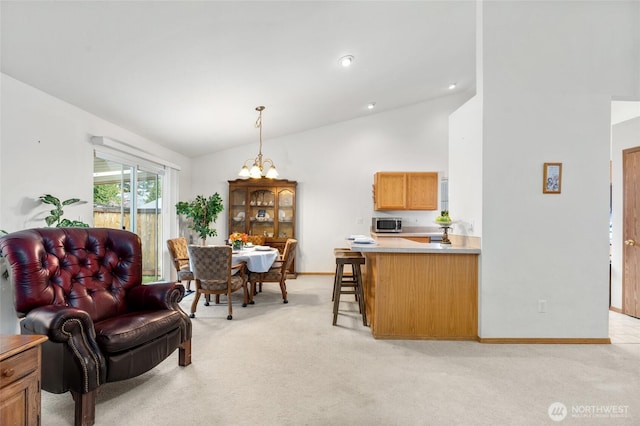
(148, 229)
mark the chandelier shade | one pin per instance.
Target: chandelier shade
(259, 164)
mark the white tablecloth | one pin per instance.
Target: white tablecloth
(257, 260)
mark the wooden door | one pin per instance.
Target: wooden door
(631, 232)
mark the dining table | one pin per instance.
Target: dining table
(257, 258)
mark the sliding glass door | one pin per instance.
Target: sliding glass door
(126, 196)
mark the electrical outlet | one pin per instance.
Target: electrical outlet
(542, 306)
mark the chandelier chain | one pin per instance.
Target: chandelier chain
(258, 164)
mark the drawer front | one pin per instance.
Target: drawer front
(18, 366)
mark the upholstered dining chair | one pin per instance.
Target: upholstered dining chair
(213, 274)
(278, 271)
(256, 240)
(178, 251)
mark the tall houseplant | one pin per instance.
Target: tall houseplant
(202, 211)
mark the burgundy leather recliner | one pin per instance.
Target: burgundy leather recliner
(82, 288)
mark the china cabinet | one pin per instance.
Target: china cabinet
(264, 207)
(405, 191)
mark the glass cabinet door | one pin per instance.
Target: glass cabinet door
(286, 213)
(262, 212)
(237, 215)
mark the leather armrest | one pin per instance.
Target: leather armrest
(155, 296)
(50, 321)
(160, 296)
(73, 328)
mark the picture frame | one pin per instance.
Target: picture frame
(552, 180)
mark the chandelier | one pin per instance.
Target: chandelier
(258, 163)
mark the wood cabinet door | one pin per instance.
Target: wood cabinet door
(390, 191)
(286, 213)
(419, 239)
(422, 191)
(237, 210)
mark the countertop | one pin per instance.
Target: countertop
(398, 244)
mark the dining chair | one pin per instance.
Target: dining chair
(278, 271)
(256, 240)
(178, 251)
(213, 274)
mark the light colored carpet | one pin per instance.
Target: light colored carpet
(277, 364)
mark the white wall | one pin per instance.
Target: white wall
(334, 168)
(45, 148)
(624, 135)
(549, 73)
(465, 168)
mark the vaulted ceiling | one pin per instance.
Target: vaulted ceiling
(188, 75)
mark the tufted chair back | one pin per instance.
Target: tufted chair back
(82, 288)
(88, 270)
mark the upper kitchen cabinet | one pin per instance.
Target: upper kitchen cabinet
(405, 191)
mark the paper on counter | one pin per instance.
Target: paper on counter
(364, 240)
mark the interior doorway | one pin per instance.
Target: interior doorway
(625, 135)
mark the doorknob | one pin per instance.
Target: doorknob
(630, 242)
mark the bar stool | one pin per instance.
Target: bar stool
(343, 251)
(348, 284)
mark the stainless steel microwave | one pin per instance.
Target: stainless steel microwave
(386, 224)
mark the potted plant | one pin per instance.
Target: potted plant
(202, 211)
(56, 214)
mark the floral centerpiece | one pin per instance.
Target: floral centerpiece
(237, 240)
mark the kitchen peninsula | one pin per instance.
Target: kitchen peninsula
(416, 290)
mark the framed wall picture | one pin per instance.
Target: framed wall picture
(552, 181)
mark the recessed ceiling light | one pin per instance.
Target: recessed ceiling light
(371, 105)
(452, 86)
(346, 60)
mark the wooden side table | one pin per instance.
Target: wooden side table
(20, 379)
